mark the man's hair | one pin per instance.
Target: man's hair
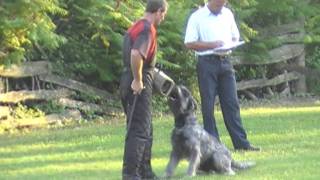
(154, 5)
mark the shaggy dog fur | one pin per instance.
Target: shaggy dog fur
(190, 141)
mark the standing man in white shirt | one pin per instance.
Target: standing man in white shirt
(208, 28)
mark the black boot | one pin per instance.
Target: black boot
(129, 177)
(133, 154)
(146, 169)
(148, 174)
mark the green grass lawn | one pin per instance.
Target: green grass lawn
(289, 137)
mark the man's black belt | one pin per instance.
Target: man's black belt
(215, 56)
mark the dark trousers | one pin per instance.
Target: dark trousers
(138, 142)
(216, 77)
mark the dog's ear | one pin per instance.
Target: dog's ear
(183, 99)
(185, 91)
(179, 92)
(189, 104)
(174, 94)
(192, 105)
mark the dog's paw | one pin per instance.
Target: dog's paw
(167, 175)
(191, 174)
(230, 173)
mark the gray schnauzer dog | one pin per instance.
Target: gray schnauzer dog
(190, 141)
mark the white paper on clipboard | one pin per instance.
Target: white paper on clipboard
(229, 46)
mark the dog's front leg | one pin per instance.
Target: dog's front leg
(173, 162)
(194, 161)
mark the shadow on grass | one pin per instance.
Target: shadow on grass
(66, 174)
(61, 151)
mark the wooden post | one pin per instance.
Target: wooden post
(2, 85)
(286, 87)
(299, 86)
(268, 89)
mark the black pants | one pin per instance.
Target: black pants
(138, 143)
(216, 77)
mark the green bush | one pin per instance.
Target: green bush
(25, 24)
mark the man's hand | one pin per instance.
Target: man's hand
(137, 86)
(136, 67)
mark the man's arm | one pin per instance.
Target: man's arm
(202, 46)
(136, 68)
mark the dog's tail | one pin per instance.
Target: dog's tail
(242, 165)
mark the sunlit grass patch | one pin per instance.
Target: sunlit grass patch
(289, 138)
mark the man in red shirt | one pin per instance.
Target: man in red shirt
(139, 50)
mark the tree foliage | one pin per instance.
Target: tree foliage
(84, 37)
(25, 23)
(93, 29)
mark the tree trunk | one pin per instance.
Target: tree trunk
(87, 107)
(250, 95)
(76, 85)
(20, 96)
(299, 86)
(260, 83)
(27, 69)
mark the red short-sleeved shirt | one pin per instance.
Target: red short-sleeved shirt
(143, 37)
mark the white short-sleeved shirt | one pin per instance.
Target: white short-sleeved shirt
(204, 26)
